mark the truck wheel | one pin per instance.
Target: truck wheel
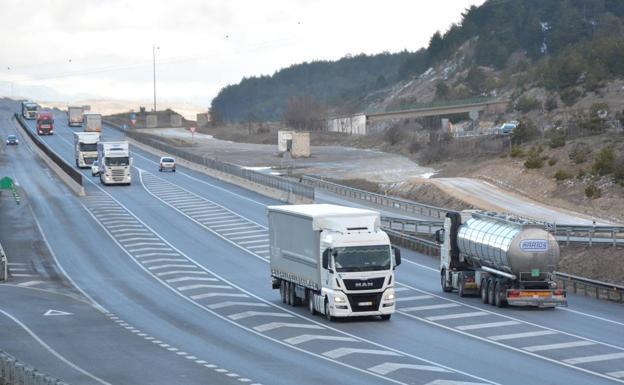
(491, 293)
(327, 313)
(460, 283)
(386, 317)
(102, 180)
(500, 293)
(283, 291)
(445, 287)
(484, 291)
(292, 297)
(310, 296)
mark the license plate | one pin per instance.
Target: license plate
(367, 303)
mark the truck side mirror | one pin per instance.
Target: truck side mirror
(439, 236)
(397, 255)
(325, 259)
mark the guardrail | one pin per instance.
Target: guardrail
(66, 167)
(273, 181)
(588, 286)
(422, 245)
(409, 207)
(4, 265)
(411, 225)
(14, 372)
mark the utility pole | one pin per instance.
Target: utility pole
(154, 48)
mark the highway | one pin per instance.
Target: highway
(172, 286)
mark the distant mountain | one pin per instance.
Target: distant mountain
(568, 47)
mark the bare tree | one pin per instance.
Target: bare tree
(304, 113)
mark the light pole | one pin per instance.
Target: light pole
(154, 48)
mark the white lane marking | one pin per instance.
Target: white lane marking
(126, 228)
(164, 260)
(53, 312)
(143, 244)
(562, 345)
(397, 289)
(458, 315)
(183, 279)
(17, 264)
(210, 295)
(276, 325)
(431, 307)
(154, 254)
(18, 269)
(263, 241)
(225, 304)
(513, 336)
(149, 248)
(488, 325)
(264, 236)
(618, 374)
(596, 358)
(29, 283)
(259, 247)
(251, 313)
(172, 266)
(341, 352)
(230, 222)
(300, 339)
(389, 367)
(423, 266)
(24, 275)
(240, 222)
(54, 352)
(133, 238)
(413, 298)
(592, 316)
(201, 286)
(180, 272)
(230, 232)
(451, 382)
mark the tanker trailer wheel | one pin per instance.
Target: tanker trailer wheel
(484, 290)
(490, 292)
(499, 294)
(443, 283)
(283, 290)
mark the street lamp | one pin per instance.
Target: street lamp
(154, 48)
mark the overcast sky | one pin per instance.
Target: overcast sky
(103, 48)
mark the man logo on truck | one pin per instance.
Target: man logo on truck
(364, 284)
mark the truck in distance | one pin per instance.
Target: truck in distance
(29, 110)
(45, 123)
(506, 260)
(92, 122)
(114, 161)
(336, 260)
(85, 148)
(74, 116)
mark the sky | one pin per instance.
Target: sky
(72, 49)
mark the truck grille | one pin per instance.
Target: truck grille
(118, 175)
(365, 284)
(89, 160)
(364, 302)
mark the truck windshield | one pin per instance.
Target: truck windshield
(45, 121)
(362, 258)
(88, 146)
(120, 161)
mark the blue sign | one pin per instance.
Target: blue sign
(534, 245)
(133, 118)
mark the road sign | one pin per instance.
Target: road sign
(55, 312)
(474, 115)
(6, 183)
(133, 118)
(192, 129)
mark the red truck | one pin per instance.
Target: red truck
(45, 123)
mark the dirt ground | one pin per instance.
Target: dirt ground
(596, 262)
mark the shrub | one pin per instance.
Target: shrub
(516, 152)
(580, 153)
(562, 175)
(618, 173)
(263, 130)
(581, 173)
(556, 138)
(534, 158)
(414, 147)
(527, 103)
(525, 132)
(592, 191)
(551, 103)
(552, 161)
(570, 96)
(605, 162)
(394, 135)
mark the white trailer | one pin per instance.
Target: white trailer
(29, 110)
(114, 162)
(506, 260)
(92, 122)
(85, 148)
(334, 259)
(74, 116)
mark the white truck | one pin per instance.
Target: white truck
(114, 161)
(29, 109)
(92, 122)
(336, 260)
(74, 116)
(85, 148)
(506, 260)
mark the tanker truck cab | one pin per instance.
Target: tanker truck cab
(336, 260)
(505, 260)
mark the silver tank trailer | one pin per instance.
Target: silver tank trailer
(509, 247)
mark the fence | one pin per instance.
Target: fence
(409, 207)
(66, 167)
(273, 181)
(14, 372)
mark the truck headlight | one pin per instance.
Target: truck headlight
(338, 299)
(389, 296)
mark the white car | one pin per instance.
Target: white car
(167, 163)
(95, 168)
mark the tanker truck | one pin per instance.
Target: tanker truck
(505, 260)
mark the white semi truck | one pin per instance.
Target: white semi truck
(29, 109)
(506, 260)
(336, 260)
(92, 122)
(85, 148)
(74, 116)
(114, 162)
